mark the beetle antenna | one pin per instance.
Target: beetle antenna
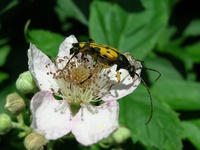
(151, 101)
(145, 68)
(159, 74)
(71, 58)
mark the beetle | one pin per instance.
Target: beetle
(109, 56)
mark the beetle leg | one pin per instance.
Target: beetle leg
(91, 41)
(105, 66)
(84, 49)
(71, 58)
(118, 76)
(77, 50)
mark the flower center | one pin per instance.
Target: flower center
(81, 80)
(79, 75)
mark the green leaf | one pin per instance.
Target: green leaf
(134, 32)
(174, 50)
(46, 41)
(164, 66)
(162, 132)
(178, 53)
(165, 39)
(193, 28)
(4, 51)
(7, 5)
(196, 122)
(3, 76)
(191, 131)
(194, 51)
(173, 47)
(67, 9)
(180, 95)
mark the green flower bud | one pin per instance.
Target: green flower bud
(121, 135)
(26, 84)
(14, 103)
(34, 141)
(5, 124)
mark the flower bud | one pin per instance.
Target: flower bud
(5, 124)
(121, 135)
(35, 141)
(25, 83)
(14, 103)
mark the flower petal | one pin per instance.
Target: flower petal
(64, 50)
(93, 123)
(66, 45)
(37, 62)
(127, 84)
(46, 119)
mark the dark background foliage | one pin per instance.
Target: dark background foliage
(164, 34)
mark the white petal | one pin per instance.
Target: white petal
(93, 123)
(65, 46)
(37, 62)
(127, 84)
(46, 120)
(64, 50)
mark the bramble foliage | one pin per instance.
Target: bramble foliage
(164, 34)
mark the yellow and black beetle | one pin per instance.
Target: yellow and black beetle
(106, 55)
(109, 56)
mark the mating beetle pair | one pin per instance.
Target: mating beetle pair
(109, 56)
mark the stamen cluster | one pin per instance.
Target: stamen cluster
(80, 80)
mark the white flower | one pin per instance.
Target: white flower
(74, 95)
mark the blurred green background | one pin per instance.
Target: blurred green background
(165, 34)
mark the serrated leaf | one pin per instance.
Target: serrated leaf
(134, 32)
(173, 47)
(67, 9)
(165, 38)
(193, 28)
(178, 53)
(196, 122)
(46, 41)
(180, 95)
(4, 51)
(7, 5)
(162, 132)
(194, 51)
(164, 66)
(3, 76)
(191, 132)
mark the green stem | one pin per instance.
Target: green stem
(50, 145)
(20, 124)
(20, 119)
